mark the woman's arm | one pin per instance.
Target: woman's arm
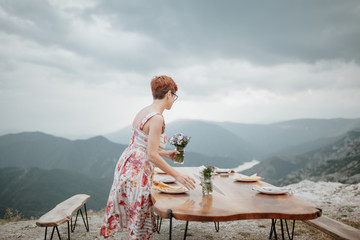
(170, 154)
(155, 129)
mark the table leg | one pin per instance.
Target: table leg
(287, 229)
(282, 229)
(186, 227)
(217, 226)
(273, 229)
(158, 223)
(170, 217)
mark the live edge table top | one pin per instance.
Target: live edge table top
(231, 201)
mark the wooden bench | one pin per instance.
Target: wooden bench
(334, 228)
(63, 212)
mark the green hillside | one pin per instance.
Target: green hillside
(95, 157)
(346, 170)
(34, 191)
(275, 168)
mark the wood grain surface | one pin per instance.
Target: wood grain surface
(231, 201)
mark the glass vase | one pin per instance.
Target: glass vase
(206, 185)
(179, 158)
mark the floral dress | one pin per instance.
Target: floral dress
(129, 204)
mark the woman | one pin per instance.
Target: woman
(129, 204)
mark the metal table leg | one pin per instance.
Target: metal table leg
(158, 223)
(273, 229)
(186, 227)
(217, 226)
(169, 212)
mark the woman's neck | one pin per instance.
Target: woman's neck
(158, 105)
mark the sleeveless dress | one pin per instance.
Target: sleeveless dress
(129, 204)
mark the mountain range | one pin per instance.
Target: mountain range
(253, 141)
(95, 157)
(338, 161)
(38, 170)
(33, 191)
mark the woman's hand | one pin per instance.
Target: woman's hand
(170, 154)
(187, 181)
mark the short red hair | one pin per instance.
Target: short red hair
(160, 85)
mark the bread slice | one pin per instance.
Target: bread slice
(160, 186)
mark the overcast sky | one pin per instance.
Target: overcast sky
(74, 68)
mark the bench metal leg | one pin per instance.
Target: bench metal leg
(68, 230)
(45, 233)
(73, 226)
(57, 230)
(85, 223)
(52, 233)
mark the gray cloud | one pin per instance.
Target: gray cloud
(264, 32)
(269, 32)
(223, 53)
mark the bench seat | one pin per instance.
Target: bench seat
(334, 228)
(63, 213)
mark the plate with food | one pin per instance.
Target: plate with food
(165, 188)
(164, 179)
(252, 178)
(273, 190)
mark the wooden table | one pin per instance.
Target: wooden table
(232, 201)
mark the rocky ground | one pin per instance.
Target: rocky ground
(338, 201)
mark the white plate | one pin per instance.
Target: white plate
(174, 192)
(272, 190)
(247, 179)
(222, 170)
(164, 179)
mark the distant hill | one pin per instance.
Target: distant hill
(254, 141)
(210, 139)
(122, 136)
(95, 157)
(34, 191)
(342, 166)
(206, 139)
(275, 168)
(275, 138)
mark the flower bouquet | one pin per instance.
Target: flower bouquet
(206, 182)
(179, 141)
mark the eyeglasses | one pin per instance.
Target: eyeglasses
(176, 96)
